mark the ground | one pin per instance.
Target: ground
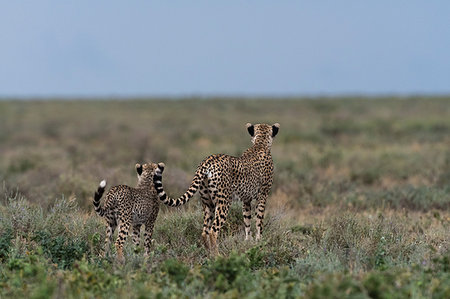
(360, 204)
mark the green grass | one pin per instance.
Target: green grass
(359, 207)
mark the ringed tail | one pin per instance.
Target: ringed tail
(175, 202)
(97, 196)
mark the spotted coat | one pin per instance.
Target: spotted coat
(127, 207)
(222, 178)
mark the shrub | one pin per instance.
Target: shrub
(5, 243)
(61, 250)
(223, 274)
(177, 271)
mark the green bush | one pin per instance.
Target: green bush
(5, 243)
(61, 250)
(177, 271)
(223, 274)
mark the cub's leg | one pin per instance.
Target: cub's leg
(110, 228)
(136, 236)
(124, 226)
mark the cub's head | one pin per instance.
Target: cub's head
(263, 134)
(145, 172)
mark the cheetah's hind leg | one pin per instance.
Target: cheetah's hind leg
(136, 237)
(208, 215)
(110, 228)
(247, 215)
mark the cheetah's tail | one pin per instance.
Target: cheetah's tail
(175, 202)
(97, 196)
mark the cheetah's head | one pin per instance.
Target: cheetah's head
(262, 133)
(146, 171)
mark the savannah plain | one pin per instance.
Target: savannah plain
(360, 205)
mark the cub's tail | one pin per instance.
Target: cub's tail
(175, 202)
(97, 196)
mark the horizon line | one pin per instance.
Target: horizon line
(218, 96)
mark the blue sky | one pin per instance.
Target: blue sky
(188, 48)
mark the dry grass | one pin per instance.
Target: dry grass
(361, 194)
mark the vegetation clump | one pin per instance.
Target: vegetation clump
(359, 206)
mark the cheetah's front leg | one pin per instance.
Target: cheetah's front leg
(148, 236)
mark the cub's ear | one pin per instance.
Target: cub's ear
(250, 129)
(139, 168)
(275, 129)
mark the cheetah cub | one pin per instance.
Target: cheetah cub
(126, 206)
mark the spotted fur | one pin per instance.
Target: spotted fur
(221, 178)
(126, 207)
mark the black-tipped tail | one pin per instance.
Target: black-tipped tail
(157, 181)
(97, 196)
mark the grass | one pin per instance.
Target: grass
(359, 207)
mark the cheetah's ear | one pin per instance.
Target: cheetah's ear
(250, 129)
(275, 129)
(139, 168)
(161, 166)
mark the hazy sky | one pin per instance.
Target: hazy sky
(183, 48)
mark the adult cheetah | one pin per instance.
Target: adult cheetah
(126, 206)
(221, 178)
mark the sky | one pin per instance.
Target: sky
(223, 48)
